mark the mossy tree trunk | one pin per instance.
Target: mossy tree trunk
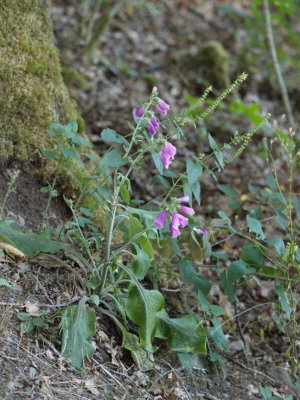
(33, 93)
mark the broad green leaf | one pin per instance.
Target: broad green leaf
(141, 264)
(109, 135)
(140, 356)
(142, 306)
(252, 254)
(279, 245)
(114, 159)
(77, 139)
(254, 226)
(216, 332)
(145, 243)
(184, 334)
(279, 289)
(134, 226)
(237, 269)
(194, 171)
(30, 243)
(78, 325)
(125, 195)
(228, 190)
(188, 361)
(190, 276)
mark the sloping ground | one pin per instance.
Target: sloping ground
(152, 43)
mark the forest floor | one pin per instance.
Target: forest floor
(148, 44)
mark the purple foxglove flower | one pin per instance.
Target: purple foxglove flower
(139, 112)
(160, 219)
(174, 231)
(174, 224)
(183, 221)
(186, 210)
(184, 199)
(162, 107)
(167, 154)
(202, 231)
(154, 121)
(151, 129)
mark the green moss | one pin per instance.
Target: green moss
(214, 63)
(33, 93)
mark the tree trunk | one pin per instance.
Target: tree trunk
(33, 93)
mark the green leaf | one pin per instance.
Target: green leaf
(95, 299)
(141, 264)
(27, 326)
(30, 243)
(114, 159)
(38, 321)
(190, 276)
(252, 254)
(158, 163)
(237, 269)
(4, 282)
(279, 245)
(279, 289)
(78, 325)
(134, 226)
(184, 334)
(109, 135)
(77, 139)
(212, 143)
(125, 195)
(24, 316)
(196, 189)
(217, 334)
(140, 356)
(194, 171)
(255, 226)
(228, 190)
(142, 306)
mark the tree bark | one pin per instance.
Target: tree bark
(33, 93)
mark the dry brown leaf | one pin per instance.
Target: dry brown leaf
(32, 309)
(91, 386)
(12, 251)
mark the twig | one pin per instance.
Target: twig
(277, 68)
(2, 303)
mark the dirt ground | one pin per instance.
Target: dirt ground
(146, 44)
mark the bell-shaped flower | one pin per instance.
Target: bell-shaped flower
(162, 107)
(177, 220)
(184, 199)
(154, 121)
(160, 219)
(167, 154)
(151, 129)
(138, 112)
(186, 210)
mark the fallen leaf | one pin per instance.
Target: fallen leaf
(91, 386)
(12, 251)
